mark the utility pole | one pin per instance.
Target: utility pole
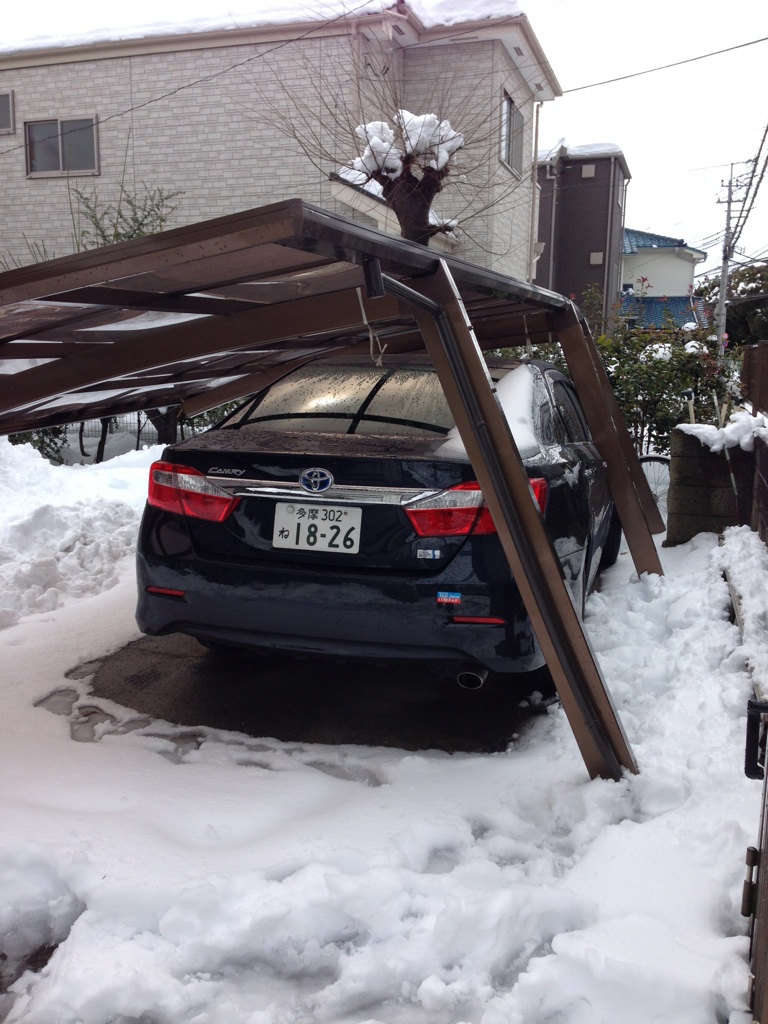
(727, 256)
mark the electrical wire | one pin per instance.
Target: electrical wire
(753, 187)
(664, 67)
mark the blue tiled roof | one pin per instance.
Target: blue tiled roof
(636, 240)
(653, 312)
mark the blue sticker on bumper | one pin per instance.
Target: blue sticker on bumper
(448, 597)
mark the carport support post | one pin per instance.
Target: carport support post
(631, 493)
(496, 460)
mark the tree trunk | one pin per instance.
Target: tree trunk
(410, 199)
(165, 423)
(80, 435)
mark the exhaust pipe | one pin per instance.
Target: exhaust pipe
(471, 677)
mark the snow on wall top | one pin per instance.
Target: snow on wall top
(76, 23)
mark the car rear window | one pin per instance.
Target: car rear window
(353, 400)
(394, 401)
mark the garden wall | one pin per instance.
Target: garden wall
(702, 497)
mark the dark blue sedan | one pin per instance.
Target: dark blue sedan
(335, 513)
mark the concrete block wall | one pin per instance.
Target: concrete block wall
(701, 495)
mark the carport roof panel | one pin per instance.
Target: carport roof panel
(179, 316)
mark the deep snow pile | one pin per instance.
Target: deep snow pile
(63, 533)
(214, 878)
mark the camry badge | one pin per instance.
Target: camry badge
(316, 480)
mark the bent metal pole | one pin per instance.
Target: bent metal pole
(496, 460)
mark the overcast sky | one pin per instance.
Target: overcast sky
(680, 129)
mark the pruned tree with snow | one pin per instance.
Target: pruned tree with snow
(409, 162)
(342, 103)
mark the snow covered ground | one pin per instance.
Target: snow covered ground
(189, 876)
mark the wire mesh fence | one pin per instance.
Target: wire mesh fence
(136, 424)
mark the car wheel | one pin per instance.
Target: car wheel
(612, 543)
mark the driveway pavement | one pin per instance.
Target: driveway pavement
(310, 701)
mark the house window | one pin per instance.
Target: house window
(512, 134)
(7, 125)
(62, 146)
(587, 170)
(596, 259)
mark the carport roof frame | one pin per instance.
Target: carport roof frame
(196, 314)
(261, 290)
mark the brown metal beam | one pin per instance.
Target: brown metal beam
(124, 298)
(134, 351)
(166, 252)
(630, 490)
(531, 555)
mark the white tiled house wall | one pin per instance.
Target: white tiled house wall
(196, 120)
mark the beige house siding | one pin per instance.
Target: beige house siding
(194, 116)
(492, 205)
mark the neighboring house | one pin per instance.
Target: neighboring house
(657, 281)
(582, 243)
(581, 220)
(181, 108)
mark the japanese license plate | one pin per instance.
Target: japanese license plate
(317, 527)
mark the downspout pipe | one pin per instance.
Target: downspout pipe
(609, 236)
(534, 196)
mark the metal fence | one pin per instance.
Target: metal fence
(132, 423)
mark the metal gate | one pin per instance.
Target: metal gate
(754, 903)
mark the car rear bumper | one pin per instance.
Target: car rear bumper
(372, 617)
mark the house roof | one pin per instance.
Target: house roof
(635, 240)
(648, 311)
(167, 25)
(200, 314)
(75, 24)
(589, 152)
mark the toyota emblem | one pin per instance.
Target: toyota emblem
(316, 480)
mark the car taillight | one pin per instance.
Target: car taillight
(540, 489)
(187, 492)
(460, 511)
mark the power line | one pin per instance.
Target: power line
(753, 187)
(663, 67)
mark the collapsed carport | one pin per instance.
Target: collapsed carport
(203, 314)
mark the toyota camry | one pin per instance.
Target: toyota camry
(336, 513)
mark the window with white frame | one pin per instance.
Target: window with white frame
(512, 134)
(7, 124)
(62, 146)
